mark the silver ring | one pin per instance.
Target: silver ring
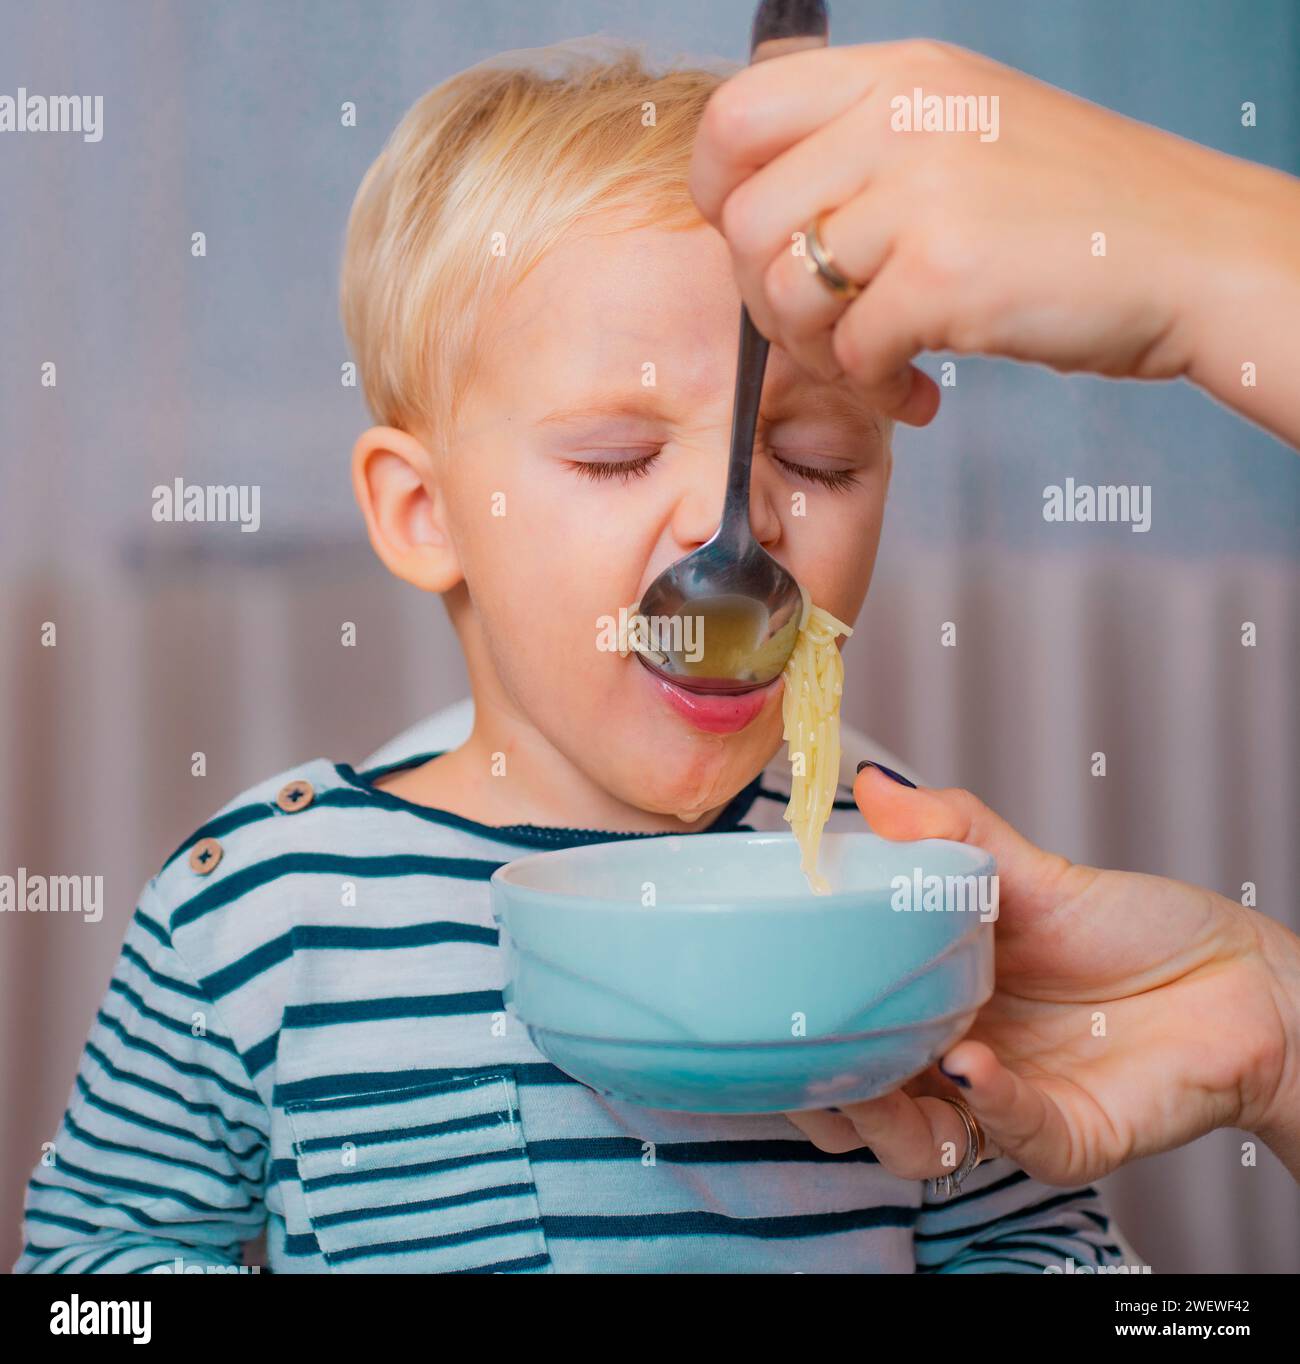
(821, 263)
(944, 1186)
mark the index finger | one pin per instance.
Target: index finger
(765, 109)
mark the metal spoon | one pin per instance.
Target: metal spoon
(737, 610)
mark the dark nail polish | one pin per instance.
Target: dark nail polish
(956, 1079)
(888, 771)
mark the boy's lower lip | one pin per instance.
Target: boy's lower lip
(714, 714)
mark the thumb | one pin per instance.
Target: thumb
(901, 812)
(1020, 1117)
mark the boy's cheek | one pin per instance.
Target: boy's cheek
(833, 553)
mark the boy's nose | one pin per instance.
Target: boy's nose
(699, 509)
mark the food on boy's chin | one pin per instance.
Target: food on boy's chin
(810, 708)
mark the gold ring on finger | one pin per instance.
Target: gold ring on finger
(821, 263)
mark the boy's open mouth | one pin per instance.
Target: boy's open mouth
(714, 713)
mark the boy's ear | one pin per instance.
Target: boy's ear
(397, 489)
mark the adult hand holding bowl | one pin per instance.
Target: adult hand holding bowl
(1131, 1014)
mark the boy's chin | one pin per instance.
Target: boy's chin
(689, 775)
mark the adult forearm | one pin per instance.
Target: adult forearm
(1279, 1125)
(1244, 297)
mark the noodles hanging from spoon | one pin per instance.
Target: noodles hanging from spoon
(810, 708)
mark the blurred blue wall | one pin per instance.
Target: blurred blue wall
(223, 118)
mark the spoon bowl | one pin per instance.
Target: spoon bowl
(741, 615)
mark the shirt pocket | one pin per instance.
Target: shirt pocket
(429, 1179)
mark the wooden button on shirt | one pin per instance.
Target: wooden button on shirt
(295, 796)
(205, 855)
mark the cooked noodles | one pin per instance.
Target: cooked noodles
(810, 707)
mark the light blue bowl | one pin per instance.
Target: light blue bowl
(700, 973)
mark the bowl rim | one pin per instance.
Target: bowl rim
(505, 883)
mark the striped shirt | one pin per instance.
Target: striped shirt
(309, 1040)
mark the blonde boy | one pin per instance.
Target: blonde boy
(305, 1033)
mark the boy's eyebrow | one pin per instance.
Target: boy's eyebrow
(614, 405)
(780, 398)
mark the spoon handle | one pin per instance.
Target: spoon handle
(780, 27)
(744, 422)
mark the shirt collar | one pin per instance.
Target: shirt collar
(527, 835)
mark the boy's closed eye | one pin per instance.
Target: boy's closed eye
(626, 469)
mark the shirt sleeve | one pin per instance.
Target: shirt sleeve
(161, 1154)
(1003, 1222)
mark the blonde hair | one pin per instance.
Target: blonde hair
(506, 147)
